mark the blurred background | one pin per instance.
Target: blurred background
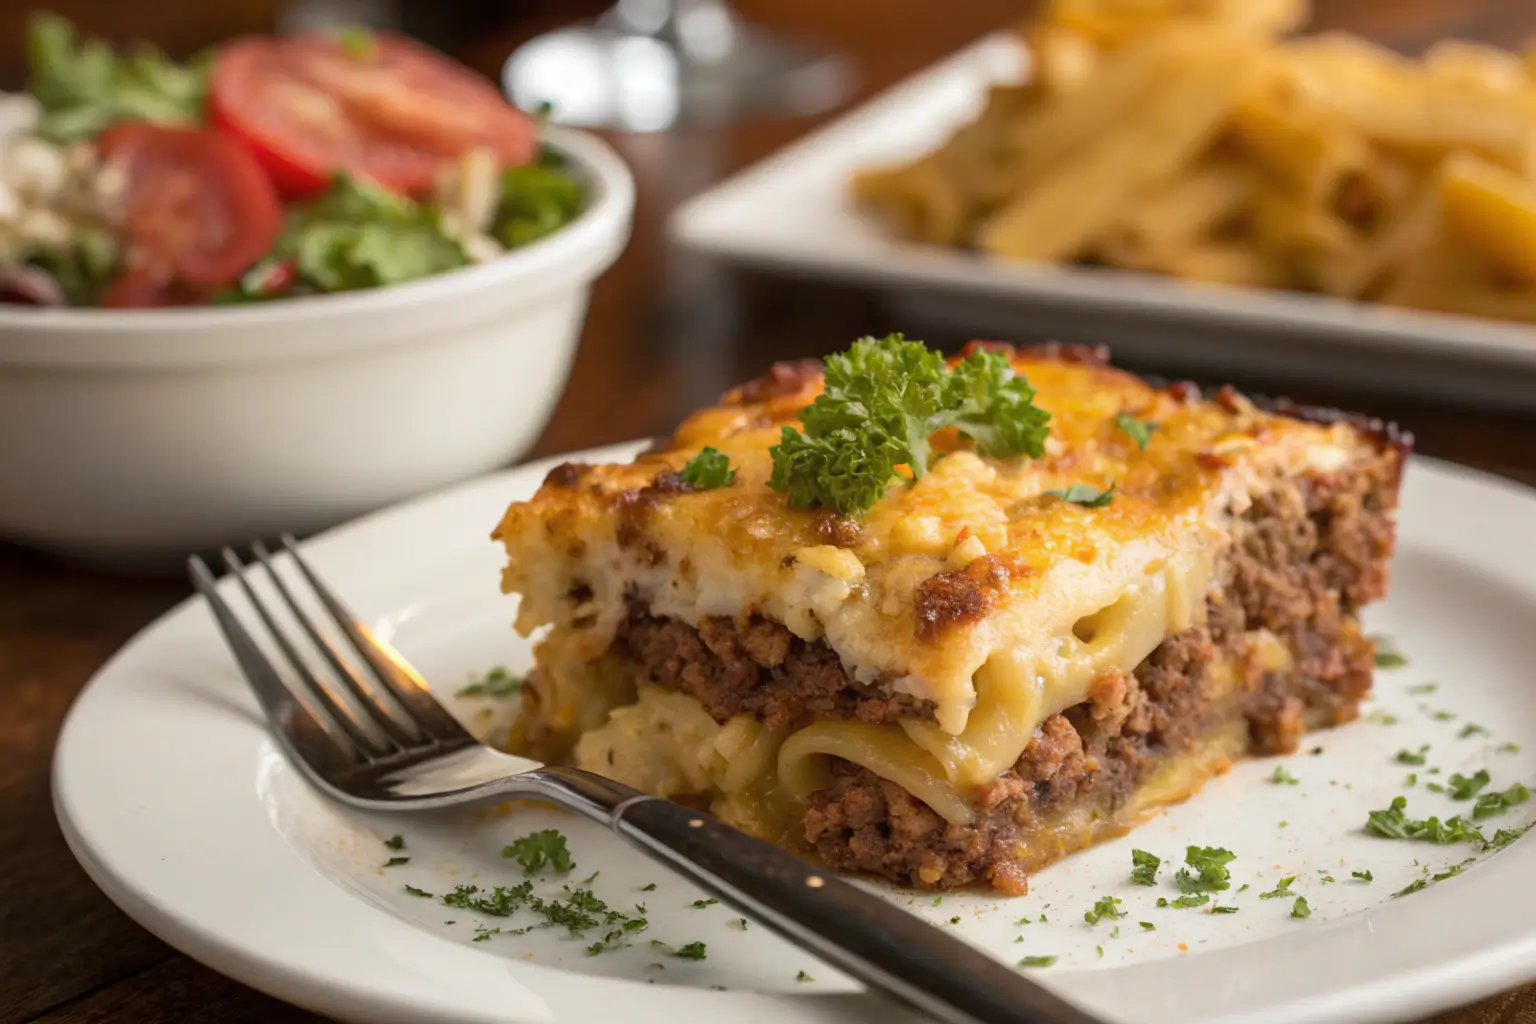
(691, 91)
(682, 325)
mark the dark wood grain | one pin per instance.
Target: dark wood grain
(175, 991)
(666, 331)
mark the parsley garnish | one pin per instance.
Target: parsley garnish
(1364, 876)
(1279, 891)
(1509, 748)
(1147, 926)
(1465, 787)
(395, 842)
(1300, 908)
(1283, 776)
(498, 682)
(740, 922)
(1412, 756)
(1136, 430)
(1379, 717)
(1423, 688)
(1490, 804)
(538, 849)
(1105, 907)
(1387, 654)
(707, 470)
(1411, 887)
(1210, 869)
(882, 402)
(1442, 716)
(1185, 902)
(802, 976)
(1451, 870)
(1504, 836)
(1084, 495)
(701, 904)
(1472, 729)
(1038, 961)
(1144, 867)
(499, 902)
(413, 891)
(690, 951)
(580, 912)
(395, 862)
(1393, 823)
(1223, 910)
(648, 888)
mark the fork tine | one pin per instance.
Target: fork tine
(402, 681)
(280, 704)
(371, 746)
(383, 716)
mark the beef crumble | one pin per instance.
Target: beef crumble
(758, 668)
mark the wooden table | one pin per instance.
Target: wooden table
(665, 333)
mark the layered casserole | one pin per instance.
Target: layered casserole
(988, 661)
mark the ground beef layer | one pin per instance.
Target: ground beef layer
(756, 668)
(1303, 559)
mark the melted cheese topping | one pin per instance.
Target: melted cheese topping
(1069, 592)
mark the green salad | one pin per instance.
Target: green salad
(263, 169)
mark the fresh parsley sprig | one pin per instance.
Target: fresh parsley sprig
(1139, 431)
(883, 401)
(1084, 495)
(539, 849)
(1491, 804)
(1106, 907)
(1144, 867)
(707, 470)
(1207, 871)
(1394, 823)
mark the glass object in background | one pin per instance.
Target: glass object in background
(647, 65)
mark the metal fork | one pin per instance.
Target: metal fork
(390, 746)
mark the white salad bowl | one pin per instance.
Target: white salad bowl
(145, 434)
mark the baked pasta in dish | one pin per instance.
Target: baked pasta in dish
(955, 619)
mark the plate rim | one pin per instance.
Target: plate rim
(1432, 983)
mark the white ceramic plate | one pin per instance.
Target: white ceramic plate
(178, 805)
(791, 213)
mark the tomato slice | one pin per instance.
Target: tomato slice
(308, 107)
(141, 288)
(199, 211)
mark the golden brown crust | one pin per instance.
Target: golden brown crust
(902, 592)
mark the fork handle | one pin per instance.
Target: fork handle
(858, 932)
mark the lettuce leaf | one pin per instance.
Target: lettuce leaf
(83, 87)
